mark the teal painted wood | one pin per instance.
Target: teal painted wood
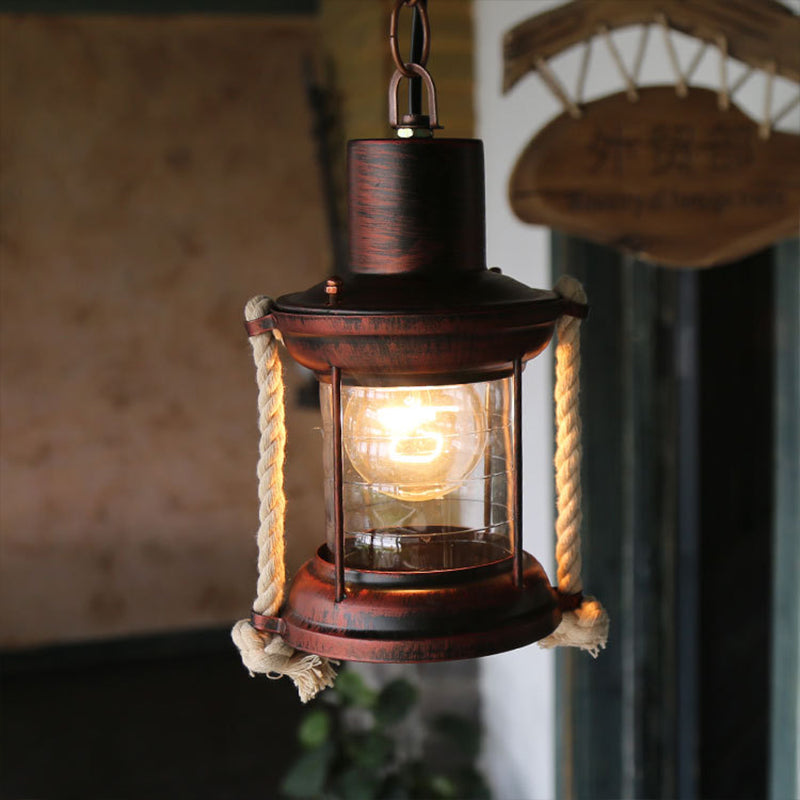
(677, 403)
(785, 716)
(590, 700)
(617, 720)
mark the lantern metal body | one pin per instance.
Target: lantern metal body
(419, 350)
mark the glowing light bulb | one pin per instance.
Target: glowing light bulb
(413, 443)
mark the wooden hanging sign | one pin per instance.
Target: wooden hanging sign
(673, 179)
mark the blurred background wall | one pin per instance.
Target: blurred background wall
(158, 169)
(157, 172)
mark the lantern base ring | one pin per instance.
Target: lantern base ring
(418, 616)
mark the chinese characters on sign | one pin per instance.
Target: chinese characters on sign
(674, 147)
(672, 178)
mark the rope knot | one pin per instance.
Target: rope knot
(273, 657)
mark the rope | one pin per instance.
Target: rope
(583, 71)
(765, 128)
(630, 86)
(680, 82)
(695, 62)
(639, 59)
(263, 652)
(785, 110)
(587, 625)
(724, 100)
(549, 77)
(743, 78)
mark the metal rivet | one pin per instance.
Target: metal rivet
(332, 286)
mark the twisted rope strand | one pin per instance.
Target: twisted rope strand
(263, 652)
(765, 128)
(630, 85)
(680, 81)
(272, 449)
(587, 626)
(555, 86)
(695, 62)
(583, 71)
(724, 96)
(639, 58)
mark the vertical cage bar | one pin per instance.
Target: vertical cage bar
(518, 472)
(338, 513)
(488, 481)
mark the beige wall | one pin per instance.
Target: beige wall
(156, 172)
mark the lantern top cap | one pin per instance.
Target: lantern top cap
(414, 329)
(469, 294)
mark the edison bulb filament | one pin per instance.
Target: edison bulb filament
(413, 443)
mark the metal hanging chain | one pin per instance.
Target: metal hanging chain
(417, 43)
(415, 123)
(421, 22)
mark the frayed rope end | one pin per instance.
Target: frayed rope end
(272, 656)
(586, 628)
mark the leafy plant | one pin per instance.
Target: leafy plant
(350, 749)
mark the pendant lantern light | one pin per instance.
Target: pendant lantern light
(419, 350)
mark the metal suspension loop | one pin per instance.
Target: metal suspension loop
(431, 121)
(421, 12)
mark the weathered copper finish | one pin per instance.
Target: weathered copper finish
(415, 348)
(419, 616)
(416, 205)
(417, 306)
(413, 329)
(255, 327)
(267, 624)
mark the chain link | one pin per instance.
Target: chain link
(402, 67)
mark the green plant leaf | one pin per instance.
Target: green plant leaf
(314, 729)
(354, 692)
(395, 700)
(442, 786)
(358, 784)
(371, 750)
(463, 733)
(307, 776)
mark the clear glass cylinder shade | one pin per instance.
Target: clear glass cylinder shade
(428, 474)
